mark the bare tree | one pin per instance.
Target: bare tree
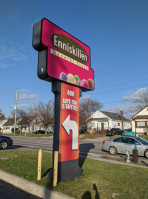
(23, 117)
(45, 113)
(20, 113)
(87, 108)
(2, 116)
(142, 99)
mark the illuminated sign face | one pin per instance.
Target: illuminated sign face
(62, 56)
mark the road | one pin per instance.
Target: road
(93, 147)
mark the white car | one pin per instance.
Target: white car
(123, 143)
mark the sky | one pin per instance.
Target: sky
(115, 30)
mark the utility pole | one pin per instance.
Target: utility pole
(15, 111)
(121, 116)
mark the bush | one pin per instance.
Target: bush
(17, 131)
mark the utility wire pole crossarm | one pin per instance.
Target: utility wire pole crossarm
(15, 109)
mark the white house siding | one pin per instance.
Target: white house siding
(141, 116)
(133, 126)
(7, 129)
(136, 129)
(127, 125)
(98, 114)
(118, 124)
(99, 119)
(1, 125)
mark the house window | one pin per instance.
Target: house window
(118, 124)
(91, 125)
(140, 124)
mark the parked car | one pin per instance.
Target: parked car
(41, 132)
(123, 143)
(114, 131)
(5, 142)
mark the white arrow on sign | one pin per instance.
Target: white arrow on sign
(73, 126)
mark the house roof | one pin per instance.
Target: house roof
(2, 122)
(109, 115)
(26, 120)
(10, 122)
(114, 116)
(99, 119)
(141, 117)
(139, 112)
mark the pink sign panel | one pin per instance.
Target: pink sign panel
(62, 56)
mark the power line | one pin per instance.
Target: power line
(118, 89)
(122, 64)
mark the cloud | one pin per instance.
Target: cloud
(128, 110)
(5, 65)
(135, 95)
(23, 106)
(86, 96)
(12, 53)
(23, 90)
(25, 96)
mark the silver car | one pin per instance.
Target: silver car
(123, 143)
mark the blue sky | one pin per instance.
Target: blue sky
(115, 30)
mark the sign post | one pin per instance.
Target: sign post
(64, 61)
(66, 130)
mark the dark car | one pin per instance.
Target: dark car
(41, 132)
(5, 142)
(114, 131)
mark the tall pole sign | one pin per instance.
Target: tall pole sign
(64, 61)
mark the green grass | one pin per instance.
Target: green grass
(30, 135)
(109, 179)
(91, 136)
(144, 136)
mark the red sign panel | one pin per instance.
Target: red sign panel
(69, 123)
(67, 58)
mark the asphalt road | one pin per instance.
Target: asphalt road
(89, 147)
(46, 143)
(8, 191)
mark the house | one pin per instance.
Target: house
(9, 125)
(140, 121)
(30, 124)
(27, 123)
(2, 122)
(102, 120)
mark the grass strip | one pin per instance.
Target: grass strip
(91, 136)
(101, 180)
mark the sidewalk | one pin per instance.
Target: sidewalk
(7, 191)
(31, 187)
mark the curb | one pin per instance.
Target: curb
(31, 187)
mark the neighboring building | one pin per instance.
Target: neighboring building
(140, 121)
(8, 126)
(30, 124)
(2, 122)
(26, 125)
(102, 120)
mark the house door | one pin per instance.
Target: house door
(102, 125)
